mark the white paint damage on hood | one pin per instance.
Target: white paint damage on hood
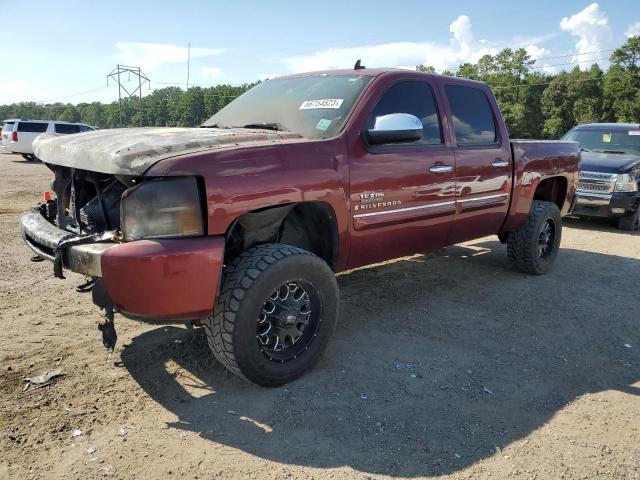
(131, 151)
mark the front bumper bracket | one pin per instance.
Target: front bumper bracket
(48, 241)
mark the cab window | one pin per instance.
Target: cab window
(472, 116)
(415, 98)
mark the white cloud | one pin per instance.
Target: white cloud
(536, 53)
(462, 34)
(633, 30)
(211, 72)
(591, 26)
(460, 49)
(149, 55)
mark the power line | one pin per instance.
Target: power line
(574, 55)
(205, 84)
(104, 87)
(525, 85)
(561, 56)
(546, 66)
(570, 63)
(86, 92)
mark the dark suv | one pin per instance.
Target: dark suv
(609, 184)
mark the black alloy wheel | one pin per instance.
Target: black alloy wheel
(288, 323)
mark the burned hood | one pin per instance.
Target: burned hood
(131, 151)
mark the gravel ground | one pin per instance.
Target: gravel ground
(447, 364)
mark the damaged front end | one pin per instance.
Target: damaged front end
(87, 207)
(141, 241)
(75, 226)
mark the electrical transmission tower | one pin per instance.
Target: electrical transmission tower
(116, 75)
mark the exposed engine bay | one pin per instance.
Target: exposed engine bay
(86, 203)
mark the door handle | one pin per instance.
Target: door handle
(498, 162)
(441, 169)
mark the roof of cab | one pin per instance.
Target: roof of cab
(371, 72)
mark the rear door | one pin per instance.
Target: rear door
(483, 161)
(402, 194)
(27, 132)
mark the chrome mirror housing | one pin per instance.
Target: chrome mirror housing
(395, 128)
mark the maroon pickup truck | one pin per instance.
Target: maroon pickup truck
(243, 223)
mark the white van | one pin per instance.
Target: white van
(18, 135)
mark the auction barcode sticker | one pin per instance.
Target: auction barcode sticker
(324, 103)
(634, 132)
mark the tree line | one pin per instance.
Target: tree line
(534, 104)
(165, 107)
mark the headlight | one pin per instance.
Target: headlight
(165, 208)
(627, 182)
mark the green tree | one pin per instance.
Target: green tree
(70, 114)
(572, 98)
(622, 83)
(425, 68)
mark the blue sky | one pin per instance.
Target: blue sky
(62, 51)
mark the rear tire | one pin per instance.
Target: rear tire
(29, 157)
(270, 294)
(630, 222)
(534, 246)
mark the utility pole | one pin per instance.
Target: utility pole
(188, 64)
(142, 78)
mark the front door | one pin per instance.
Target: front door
(402, 194)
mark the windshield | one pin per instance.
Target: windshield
(7, 127)
(607, 140)
(314, 106)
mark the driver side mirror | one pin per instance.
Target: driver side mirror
(395, 128)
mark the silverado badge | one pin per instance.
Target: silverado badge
(370, 200)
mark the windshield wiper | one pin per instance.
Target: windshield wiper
(612, 151)
(584, 149)
(266, 126)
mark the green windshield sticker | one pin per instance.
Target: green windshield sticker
(606, 138)
(323, 124)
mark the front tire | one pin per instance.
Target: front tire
(29, 157)
(275, 315)
(630, 222)
(534, 246)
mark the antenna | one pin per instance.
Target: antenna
(359, 66)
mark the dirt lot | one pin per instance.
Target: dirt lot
(447, 364)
